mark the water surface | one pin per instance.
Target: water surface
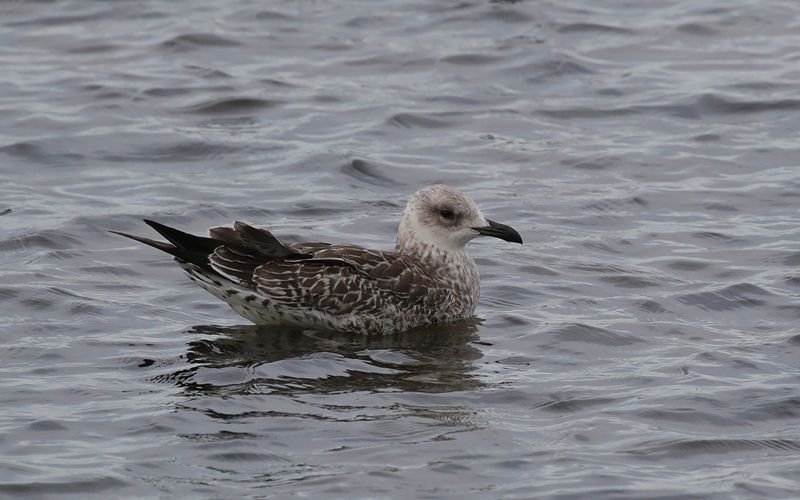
(642, 344)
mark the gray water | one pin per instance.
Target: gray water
(644, 343)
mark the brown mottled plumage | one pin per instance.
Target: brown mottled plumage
(427, 279)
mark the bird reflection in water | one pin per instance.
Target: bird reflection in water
(270, 360)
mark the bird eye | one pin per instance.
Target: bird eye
(447, 214)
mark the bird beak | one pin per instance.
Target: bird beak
(497, 230)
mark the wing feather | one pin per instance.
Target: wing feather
(340, 279)
(337, 279)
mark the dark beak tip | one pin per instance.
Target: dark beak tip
(515, 238)
(501, 231)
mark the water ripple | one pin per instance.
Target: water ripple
(643, 343)
(191, 41)
(234, 105)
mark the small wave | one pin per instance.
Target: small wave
(610, 205)
(721, 207)
(95, 48)
(573, 405)
(587, 28)
(368, 173)
(246, 456)
(714, 104)
(365, 21)
(470, 59)
(231, 105)
(413, 120)
(207, 72)
(183, 91)
(106, 92)
(713, 235)
(42, 154)
(651, 306)
(8, 293)
(600, 268)
(60, 20)
(179, 151)
(601, 162)
(277, 82)
(538, 270)
(688, 265)
(507, 15)
(690, 416)
(696, 29)
(715, 446)
(577, 332)
(510, 296)
(782, 408)
(707, 138)
(271, 15)
(51, 239)
(65, 487)
(792, 259)
(195, 40)
(596, 245)
(705, 105)
(542, 71)
(107, 269)
(513, 320)
(627, 281)
(46, 425)
(726, 299)
(590, 113)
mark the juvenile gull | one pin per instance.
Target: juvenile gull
(428, 278)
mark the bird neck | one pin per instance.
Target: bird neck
(449, 263)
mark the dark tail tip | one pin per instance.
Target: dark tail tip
(188, 247)
(164, 247)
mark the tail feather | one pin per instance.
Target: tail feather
(184, 241)
(184, 246)
(265, 243)
(164, 247)
(258, 244)
(190, 248)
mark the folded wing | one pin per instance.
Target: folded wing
(336, 279)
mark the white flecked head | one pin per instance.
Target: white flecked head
(442, 217)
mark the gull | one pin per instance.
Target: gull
(427, 279)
